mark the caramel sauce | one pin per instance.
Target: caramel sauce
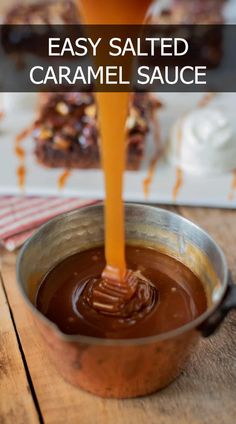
(113, 109)
(112, 117)
(114, 12)
(206, 99)
(178, 183)
(174, 298)
(21, 174)
(154, 160)
(179, 172)
(23, 134)
(150, 174)
(62, 180)
(20, 153)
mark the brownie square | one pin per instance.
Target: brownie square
(188, 12)
(66, 131)
(207, 43)
(43, 13)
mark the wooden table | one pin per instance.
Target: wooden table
(31, 391)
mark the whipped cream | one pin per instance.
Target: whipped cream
(203, 142)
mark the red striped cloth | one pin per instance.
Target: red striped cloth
(20, 216)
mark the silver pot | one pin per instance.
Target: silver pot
(125, 368)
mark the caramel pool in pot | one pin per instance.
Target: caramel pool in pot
(177, 297)
(123, 367)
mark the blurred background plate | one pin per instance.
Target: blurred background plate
(195, 190)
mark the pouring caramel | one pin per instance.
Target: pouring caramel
(116, 280)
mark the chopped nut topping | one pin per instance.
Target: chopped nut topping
(130, 122)
(90, 111)
(70, 131)
(61, 143)
(62, 108)
(142, 123)
(45, 133)
(134, 112)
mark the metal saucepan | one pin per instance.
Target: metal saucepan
(125, 368)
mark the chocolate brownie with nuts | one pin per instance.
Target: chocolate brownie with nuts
(180, 15)
(66, 131)
(43, 12)
(44, 19)
(185, 12)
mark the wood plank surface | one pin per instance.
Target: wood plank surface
(16, 403)
(221, 225)
(205, 393)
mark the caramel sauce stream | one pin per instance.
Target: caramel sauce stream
(113, 113)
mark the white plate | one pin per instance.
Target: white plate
(196, 191)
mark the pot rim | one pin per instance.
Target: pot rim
(192, 325)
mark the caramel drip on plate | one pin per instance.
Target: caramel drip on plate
(179, 172)
(178, 183)
(206, 99)
(62, 180)
(21, 174)
(154, 160)
(150, 174)
(233, 187)
(25, 133)
(20, 153)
